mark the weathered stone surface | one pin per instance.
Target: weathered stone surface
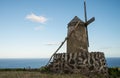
(79, 62)
(78, 59)
(78, 40)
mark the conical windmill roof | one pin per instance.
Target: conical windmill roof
(75, 19)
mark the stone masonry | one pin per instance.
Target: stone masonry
(79, 62)
(78, 59)
(78, 40)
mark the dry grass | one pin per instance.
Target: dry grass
(33, 74)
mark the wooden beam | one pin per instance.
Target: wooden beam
(64, 41)
(90, 21)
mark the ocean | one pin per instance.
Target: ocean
(23, 63)
(37, 63)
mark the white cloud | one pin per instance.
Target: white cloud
(37, 28)
(35, 18)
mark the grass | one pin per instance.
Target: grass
(37, 73)
(114, 72)
(33, 74)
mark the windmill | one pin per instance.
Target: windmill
(86, 23)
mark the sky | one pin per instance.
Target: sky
(36, 28)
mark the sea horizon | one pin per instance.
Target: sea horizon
(39, 58)
(39, 62)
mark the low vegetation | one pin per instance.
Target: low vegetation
(44, 73)
(114, 72)
(33, 74)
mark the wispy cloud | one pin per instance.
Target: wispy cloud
(52, 43)
(106, 47)
(35, 18)
(112, 47)
(37, 28)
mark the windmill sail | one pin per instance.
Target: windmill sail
(86, 21)
(90, 20)
(85, 11)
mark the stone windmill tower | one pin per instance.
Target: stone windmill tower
(77, 42)
(78, 59)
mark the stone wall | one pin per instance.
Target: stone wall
(81, 62)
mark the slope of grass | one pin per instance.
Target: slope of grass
(33, 74)
(42, 73)
(114, 72)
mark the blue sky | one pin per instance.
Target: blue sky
(35, 28)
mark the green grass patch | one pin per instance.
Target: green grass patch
(114, 72)
(45, 73)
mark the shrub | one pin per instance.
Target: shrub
(114, 72)
(44, 70)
